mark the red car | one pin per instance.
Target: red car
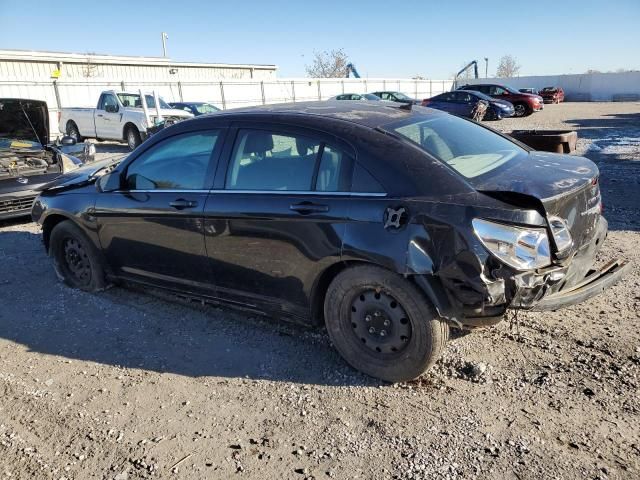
(552, 94)
(524, 104)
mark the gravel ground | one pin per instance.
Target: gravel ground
(125, 384)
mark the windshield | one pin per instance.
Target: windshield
(548, 89)
(203, 108)
(371, 96)
(133, 100)
(401, 96)
(511, 90)
(469, 149)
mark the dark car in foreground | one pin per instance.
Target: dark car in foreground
(385, 223)
(524, 104)
(27, 159)
(195, 108)
(463, 103)
(552, 94)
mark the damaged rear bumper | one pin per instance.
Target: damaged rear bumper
(593, 284)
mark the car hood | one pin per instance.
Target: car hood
(24, 120)
(84, 175)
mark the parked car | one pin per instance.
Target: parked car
(356, 96)
(387, 224)
(28, 159)
(552, 94)
(195, 108)
(532, 91)
(462, 103)
(524, 104)
(118, 116)
(397, 97)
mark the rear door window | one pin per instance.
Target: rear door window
(264, 160)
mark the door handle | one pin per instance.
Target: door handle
(181, 204)
(99, 115)
(305, 208)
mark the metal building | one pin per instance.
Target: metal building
(76, 80)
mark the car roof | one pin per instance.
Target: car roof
(369, 114)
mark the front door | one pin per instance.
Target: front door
(152, 229)
(107, 117)
(278, 218)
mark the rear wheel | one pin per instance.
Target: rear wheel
(132, 136)
(75, 259)
(74, 132)
(382, 325)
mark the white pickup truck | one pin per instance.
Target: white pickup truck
(119, 116)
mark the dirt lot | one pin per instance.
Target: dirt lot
(127, 385)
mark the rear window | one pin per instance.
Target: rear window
(471, 150)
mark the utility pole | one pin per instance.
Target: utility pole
(165, 36)
(486, 67)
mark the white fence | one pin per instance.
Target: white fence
(589, 87)
(225, 94)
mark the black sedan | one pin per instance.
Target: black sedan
(386, 223)
(196, 108)
(463, 102)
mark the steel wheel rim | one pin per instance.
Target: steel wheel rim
(73, 133)
(379, 323)
(132, 140)
(76, 261)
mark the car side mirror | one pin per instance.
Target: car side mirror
(67, 140)
(111, 108)
(109, 182)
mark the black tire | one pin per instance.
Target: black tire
(522, 110)
(74, 132)
(359, 306)
(132, 137)
(76, 261)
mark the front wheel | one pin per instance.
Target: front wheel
(521, 110)
(382, 324)
(75, 259)
(133, 137)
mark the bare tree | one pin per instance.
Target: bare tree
(508, 67)
(328, 64)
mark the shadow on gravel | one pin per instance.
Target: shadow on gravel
(15, 221)
(615, 148)
(619, 121)
(126, 328)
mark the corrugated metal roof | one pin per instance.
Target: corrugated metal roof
(66, 57)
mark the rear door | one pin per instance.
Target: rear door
(107, 117)
(276, 217)
(152, 228)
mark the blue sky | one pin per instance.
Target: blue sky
(383, 39)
